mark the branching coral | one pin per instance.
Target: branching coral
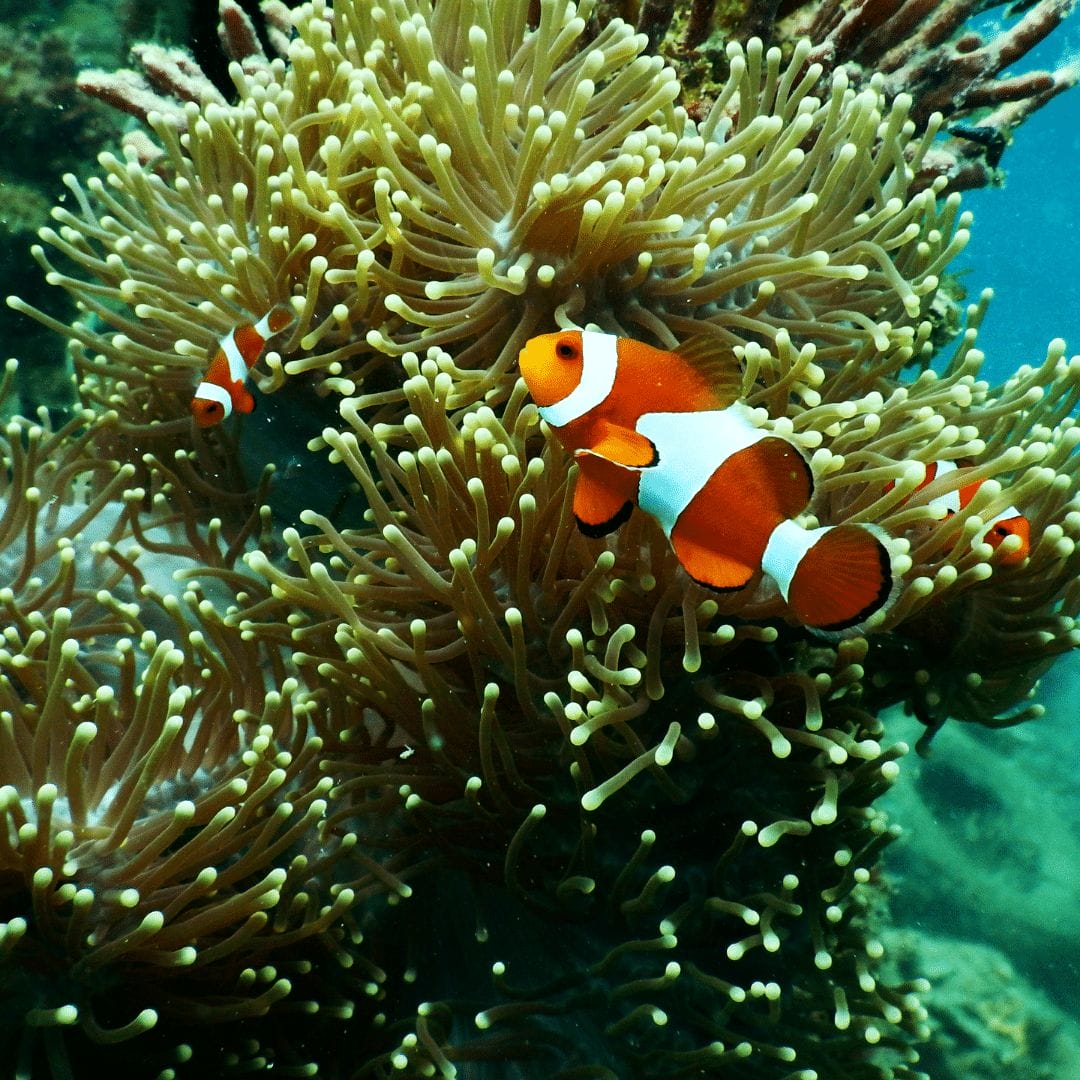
(913, 45)
(548, 779)
(951, 66)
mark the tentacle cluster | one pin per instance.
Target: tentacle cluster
(408, 182)
(429, 718)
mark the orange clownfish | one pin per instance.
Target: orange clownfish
(1010, 522)
(223, 388)
(663, 429)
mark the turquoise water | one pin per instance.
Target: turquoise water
(988, 871)
(1026, 239)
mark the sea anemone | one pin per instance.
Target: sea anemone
(517, 783)
(164, 826)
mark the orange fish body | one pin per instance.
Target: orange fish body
(662, 429)
(1010, 522)
(595, 410)
(223, 389)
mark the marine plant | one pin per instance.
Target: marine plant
(407, 758)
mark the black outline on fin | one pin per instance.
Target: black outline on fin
(876, 604)
(604, 527)
(809, 471)
(586, 452)
(719, 588)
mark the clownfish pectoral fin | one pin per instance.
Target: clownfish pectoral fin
(709, 567)
(603, 495)
(716, 363)
(278, 318)
(623, 447)
(833, 578)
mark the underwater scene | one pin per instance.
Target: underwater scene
(540, 540)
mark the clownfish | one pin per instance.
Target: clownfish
(1010, 522)
(223, 388)
(664, 430)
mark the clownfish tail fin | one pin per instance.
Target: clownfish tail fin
(833, 578)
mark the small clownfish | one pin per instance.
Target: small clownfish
(1010, 522)
(664, 430)
(223, 388)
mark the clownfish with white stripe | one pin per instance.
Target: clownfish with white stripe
(224, 387)
(1010, 522)
(663, 430)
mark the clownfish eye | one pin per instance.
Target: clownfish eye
(565, 350)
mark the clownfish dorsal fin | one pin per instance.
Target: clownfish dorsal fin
(622, 446)
(715, 361)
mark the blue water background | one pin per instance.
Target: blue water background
(1026, 238)
(1014, 815)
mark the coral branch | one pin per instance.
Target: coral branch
(929, 49)
(129, 92)
(925, 49)
(237, 34)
